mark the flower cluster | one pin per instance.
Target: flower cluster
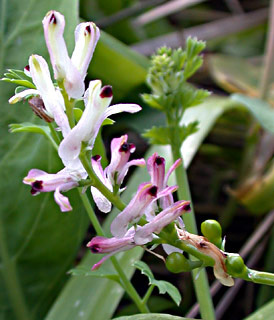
(54, 102)
(126, 233)
(69, 73)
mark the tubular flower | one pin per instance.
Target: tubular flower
(71, 70)
(139, 236)
(115, 172)
(64, 180)
(156, 169)
(208, 248)
(97, 100)
(146, 194)
(53, 102)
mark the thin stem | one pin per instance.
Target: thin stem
(54, 134)
(11, 280)
(126, 282)
(96, 182)
(260, 277)
(148, 294)
(200, 283)
(69, 103)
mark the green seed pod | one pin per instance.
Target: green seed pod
(177, 262)
(212, 230)
(235, 265)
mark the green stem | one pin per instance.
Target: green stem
(200, 283)
(148, 294)
(126, 282)
(11, 280)
(54, 134)
(261, 277)
(69, 103)
(96, 182)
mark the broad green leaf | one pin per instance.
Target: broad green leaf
(152, 316)
(117, 65)
(237, 75)
(38, 242)
(265, 312)
(163, 286)
(261, 110)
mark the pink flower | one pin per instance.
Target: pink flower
(114, 173)
(140, 236)
(64, 180)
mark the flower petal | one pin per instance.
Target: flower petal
(62, 201)
(135, 209)
(123, 107)
(171, 169)
(88, 126)
(143, 234)
(123, 172)
(52, 99)
(23, 94)
(86, 37)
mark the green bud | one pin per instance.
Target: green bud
(212, 230)
(235, 265)
(177, 262)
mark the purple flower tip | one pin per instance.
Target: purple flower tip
(53, 19)
(106, 92)
(94, 248)
(27, 68)
(153, 191)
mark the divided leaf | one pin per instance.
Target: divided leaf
(163, 286)
(85, 271)
(161, 135)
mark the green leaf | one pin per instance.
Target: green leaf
(152, 316)
(163, 286)
(265, 312)
(86, 271)
(24, 83)
(157, 135)
(38, 242)
(31, 127)
(259, 108)
(160, 135)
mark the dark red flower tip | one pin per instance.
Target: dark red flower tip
(94, 248)
(159, 160)
(187, 207)
(96, 157)
(153, 191)
(27, 68)
(37, 185)
(53, 19)
(88, 29)
(124, 147)
(106, 92)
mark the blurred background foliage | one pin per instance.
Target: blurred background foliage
(231, 172)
